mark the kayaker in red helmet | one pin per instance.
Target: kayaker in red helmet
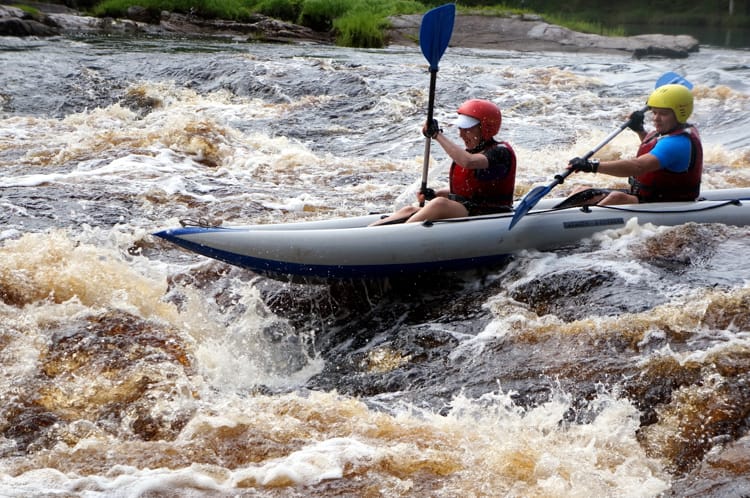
(482, 175)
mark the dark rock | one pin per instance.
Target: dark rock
(269, 29)
(72, 24)
(13, 26)
(142, 14)
(660, 52)
(46, 8)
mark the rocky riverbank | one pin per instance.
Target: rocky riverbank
(521, 33)
(57, 20)
(530, 33)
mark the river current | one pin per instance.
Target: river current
(617, 367)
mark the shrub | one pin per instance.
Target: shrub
(286, 10)
(360, 29)
(319, 14)
(218, 9)
(363, 24)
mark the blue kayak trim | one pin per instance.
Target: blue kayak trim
(290, 271)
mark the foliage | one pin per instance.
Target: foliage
(498, 10)
(286, 10)
(76, 4)
(360, 29)
(594, 27)
(319, 14)
(211, 9)
(32, 11)
(356, 23)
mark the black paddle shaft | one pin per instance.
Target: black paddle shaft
(562, 176)
(428, 140)
(431, 99)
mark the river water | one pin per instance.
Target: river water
(617, 367)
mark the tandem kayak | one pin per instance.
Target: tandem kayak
(347, 248)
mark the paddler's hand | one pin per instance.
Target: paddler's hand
(431, 130)
(635, 121)
(585, 165)
(425, 195)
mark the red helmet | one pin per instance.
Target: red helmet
(486, 112)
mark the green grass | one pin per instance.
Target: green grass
(211, 9)
(32, 11)
(364, 24)
(360, 29)
(583, 26)
(356, 23)
(320, 14)
(286, 10)
(497, 10)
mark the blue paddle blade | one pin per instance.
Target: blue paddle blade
(528, 202)
(673, 78)
(435, 33)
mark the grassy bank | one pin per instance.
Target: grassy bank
(355, 23)
(363, 23)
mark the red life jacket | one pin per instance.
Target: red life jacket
(469, 184)
(665, 186)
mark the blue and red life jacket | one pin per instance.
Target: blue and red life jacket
(663, 185)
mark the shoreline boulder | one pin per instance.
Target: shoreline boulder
(16, 22)
(529, 33)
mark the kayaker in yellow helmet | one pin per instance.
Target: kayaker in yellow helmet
(669, 163)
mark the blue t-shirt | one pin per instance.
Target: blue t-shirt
(673, 152)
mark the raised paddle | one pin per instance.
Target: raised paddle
(536, 194)
(434, 34)
(672, 78)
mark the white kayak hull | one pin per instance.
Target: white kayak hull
(347, 248)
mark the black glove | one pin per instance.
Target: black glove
(432, 129)
(428, 193)
(635, 121)
(585, 165)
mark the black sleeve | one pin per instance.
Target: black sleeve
(499, 161)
